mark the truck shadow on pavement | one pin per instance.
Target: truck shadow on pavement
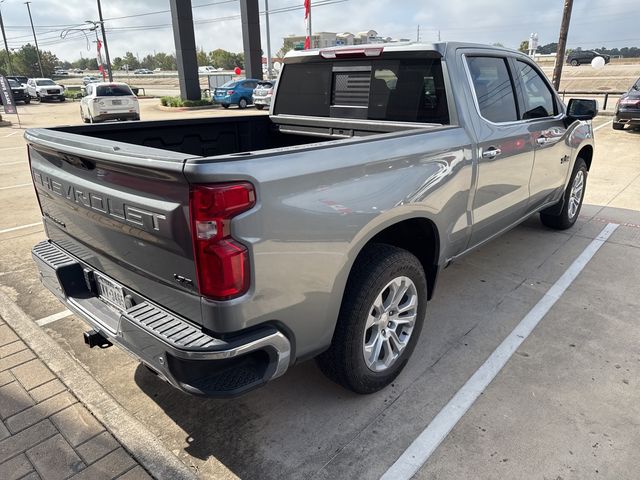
(302, 425)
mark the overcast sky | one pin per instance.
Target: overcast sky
(595, 23)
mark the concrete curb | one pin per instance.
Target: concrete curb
(184, 109)
(143, 445)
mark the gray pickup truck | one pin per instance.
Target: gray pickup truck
(221, 251)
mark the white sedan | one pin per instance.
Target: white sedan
(109, 101)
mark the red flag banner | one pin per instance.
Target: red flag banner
(99, 58)
(307, 22)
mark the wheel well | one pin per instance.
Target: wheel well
(420, 237)
(587, 155)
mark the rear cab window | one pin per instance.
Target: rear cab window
(113, 91)
(408, 88)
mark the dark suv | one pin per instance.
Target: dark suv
(578, 57)
(628, 108)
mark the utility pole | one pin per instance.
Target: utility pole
(439, 36)
(562, 43)
(418, 35)
(266, 23)
(104, 40)
(34, 38)
(6, 46)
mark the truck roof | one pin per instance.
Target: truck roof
(439, 47)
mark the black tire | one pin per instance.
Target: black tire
(344, 361)
(564, 219)
(225, 105)
(575, 63)
(617, 126)
(27, 101)
(242, 104)
(62, 99)
(260, 107)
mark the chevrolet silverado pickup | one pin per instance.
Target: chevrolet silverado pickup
(221, 251)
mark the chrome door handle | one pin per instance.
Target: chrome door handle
(491, 152)
(542, 140)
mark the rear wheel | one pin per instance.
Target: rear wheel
(380, 320)
(27, 101)
(225, 105)
(575, 63)
(573, 196)
(242, 103)
(259, 107)
(617, 126)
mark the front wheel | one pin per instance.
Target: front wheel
(380, 320)
(575, 63)
(225, 105)
(27, 101)
(617, 126)
(259, 107)
(572, 200)
(242, 103)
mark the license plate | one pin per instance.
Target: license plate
(110, 292)
(116, 102)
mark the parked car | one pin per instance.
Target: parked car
(206, 69)
(61, 72)
(578, 57)
(18, 78)
(263, 93)
(90, 79)
(235, 92)
(45, 89)
(19, 92)
(109, 101)
(221, 251)
(142, 71)
(628, 108)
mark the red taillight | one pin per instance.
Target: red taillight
(230, 92)
(222, 264)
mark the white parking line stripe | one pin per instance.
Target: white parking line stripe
(422, 447)
(11, 134)
(54, 318)
(14, 148)
(11, 163)
(13, 229)
(603, 125)
(15, 186)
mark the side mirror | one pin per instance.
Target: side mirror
(582, 109)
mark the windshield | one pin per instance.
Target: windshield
(113, 91)
(230, 84)
(265, 84)
(13, 83)
(45, 83)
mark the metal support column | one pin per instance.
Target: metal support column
(251, 38)
(185, 41)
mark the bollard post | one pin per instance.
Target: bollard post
(606, 98)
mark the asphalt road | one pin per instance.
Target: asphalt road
(566, 405)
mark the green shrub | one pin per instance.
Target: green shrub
(178, 102)
(73, 94)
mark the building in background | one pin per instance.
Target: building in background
(332, 39)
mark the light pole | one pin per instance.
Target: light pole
(104, 40)
(6, 45)
(266, 21)
(34, 38)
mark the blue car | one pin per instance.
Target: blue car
(235, 92)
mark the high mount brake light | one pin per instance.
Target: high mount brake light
(222, 263)
(352, 52)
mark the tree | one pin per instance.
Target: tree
(287, 46)
(524, 46)
(25, 62)
(202, 58)
(223, 59)
(497, 44)
(131, 60)
(548, 48)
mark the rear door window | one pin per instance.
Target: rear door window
(405, 90)
(494, 88)
(113, 91)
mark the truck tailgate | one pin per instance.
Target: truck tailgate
(120, 208)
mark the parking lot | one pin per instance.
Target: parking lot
(566, 405)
